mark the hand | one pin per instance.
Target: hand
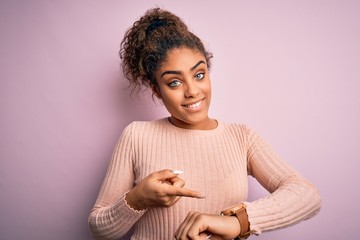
(198, 226)
(159, 189)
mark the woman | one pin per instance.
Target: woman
(145, 182)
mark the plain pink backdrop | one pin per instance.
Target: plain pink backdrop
(289, 69)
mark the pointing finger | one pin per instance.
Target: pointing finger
(183, 192)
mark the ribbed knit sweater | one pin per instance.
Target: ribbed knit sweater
(216, 163)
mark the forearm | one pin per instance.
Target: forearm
(113, 221)
(295, 201)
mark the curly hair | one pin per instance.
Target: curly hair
(146, 44)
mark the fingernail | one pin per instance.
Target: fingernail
(177, 172)
(201, 196)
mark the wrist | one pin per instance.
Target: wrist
(133, 201)
(236, 223)
(240, 213)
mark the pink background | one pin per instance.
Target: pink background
(289, 69)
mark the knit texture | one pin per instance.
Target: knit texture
(216, 163)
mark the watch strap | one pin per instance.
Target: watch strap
(240, 213)
(242, 216)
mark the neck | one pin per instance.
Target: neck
(208, 124)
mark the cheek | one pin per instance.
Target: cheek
(207, 86)
(171, 97)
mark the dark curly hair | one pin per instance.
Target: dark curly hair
(146, 44)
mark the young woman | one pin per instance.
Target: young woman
(145, 182)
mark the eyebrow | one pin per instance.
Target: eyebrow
(179, 72)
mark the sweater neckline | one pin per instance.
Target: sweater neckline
(194, 132)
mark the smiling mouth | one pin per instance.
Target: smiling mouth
(194, 105)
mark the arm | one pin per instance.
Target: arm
(120, 204)
(292, 197)
(111, 216)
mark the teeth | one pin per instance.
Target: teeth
(195, 105)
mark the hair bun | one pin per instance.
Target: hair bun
(156, 23)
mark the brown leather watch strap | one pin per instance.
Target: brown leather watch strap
(244, 223)
(240, 213)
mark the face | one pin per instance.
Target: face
(184, 87)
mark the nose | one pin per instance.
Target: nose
(192, 90)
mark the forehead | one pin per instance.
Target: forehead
(181, 59)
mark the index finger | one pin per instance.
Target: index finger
(183, 192)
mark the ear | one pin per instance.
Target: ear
(156, 91)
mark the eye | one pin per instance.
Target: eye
(200, 76)
(174, 83)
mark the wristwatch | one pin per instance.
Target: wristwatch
(239, 211)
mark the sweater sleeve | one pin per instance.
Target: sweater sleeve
(292, 198)
(112, 217)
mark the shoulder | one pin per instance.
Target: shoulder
(237, 128)
(137, 127)
(241, 130)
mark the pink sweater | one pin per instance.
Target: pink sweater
(216, 163)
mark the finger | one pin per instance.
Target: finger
(177, 182)
(183, 192)
(198, 227)
(175, 200)
(182, 225)
(205, 236)
(214, 237)
(182, 231)
(166, 174)
(177, 171)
